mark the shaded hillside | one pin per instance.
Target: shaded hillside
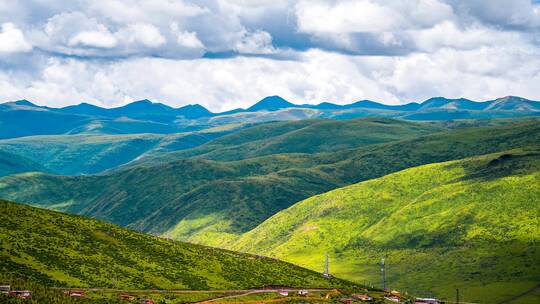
(470, 224)
(65, 250)
(11, 163)
(304, 136)
(88, 154)
(213, 202)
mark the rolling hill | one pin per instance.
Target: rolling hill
(470, 224)
(303, 136)
(214, 202)
(11, 163)
(57, 249)
(94, 153)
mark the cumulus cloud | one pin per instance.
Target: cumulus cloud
(143, 34)
(223, 84)
(12, 39)
(113, 51)
(98, 39)
(258, 42)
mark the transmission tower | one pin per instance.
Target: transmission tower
(383, 273)
(326, 273)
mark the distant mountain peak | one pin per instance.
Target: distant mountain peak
(514, 103)
(141, 102)
(24, 102)
(193, 111)
(146, 105)
(271, 103)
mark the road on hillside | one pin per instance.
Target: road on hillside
(238, 291)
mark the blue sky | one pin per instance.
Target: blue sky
(228, 54)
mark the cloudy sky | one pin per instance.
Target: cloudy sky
(225, 54)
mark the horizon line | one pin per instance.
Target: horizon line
(269, 96)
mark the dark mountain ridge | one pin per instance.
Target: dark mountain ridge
(24, 118)
(274, 103)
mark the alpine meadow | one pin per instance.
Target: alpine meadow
(262, 152)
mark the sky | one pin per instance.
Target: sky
(229, 54)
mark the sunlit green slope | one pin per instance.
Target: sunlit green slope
(472, 224)
(213, 202)
(66, 250)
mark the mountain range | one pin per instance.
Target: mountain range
(432, 193)
(23, 118)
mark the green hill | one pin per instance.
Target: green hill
(11, 163)
(213, 202)
(91, 153)
(306, 136)
(65, 250)
(471, 224)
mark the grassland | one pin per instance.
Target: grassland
(213, 202)
(471, 224)
(93, 153)
(11, 163)
(65, 250)
(305, 136)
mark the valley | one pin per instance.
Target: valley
(448, 203)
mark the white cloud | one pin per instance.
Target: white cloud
(143, 34)
(346, 17)
(144, 11)
(448, 34)
(222, 84)
(353, 16)
(12, 39)
(185, 38)
(392, 51)
(257, 42)
(98, 39)
(189, 39)
(501, 13)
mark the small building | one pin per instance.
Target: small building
(283, 293)
(362, 297)
(427, 301)
(75, 293)
(146, 301)
(392, 298)
(5, 288)
(21, 294)
(303, 292)
(346, 300)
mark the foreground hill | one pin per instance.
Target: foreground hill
(213, 202)
(65, 250)
(470, 224)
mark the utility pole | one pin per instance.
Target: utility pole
(383, 274)
(326, 273)
(457, 295)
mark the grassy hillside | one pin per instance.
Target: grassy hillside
(11, 163)
(91, 153)
(471, 224)
(307, 136)
(213, 202)
(65, 250)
